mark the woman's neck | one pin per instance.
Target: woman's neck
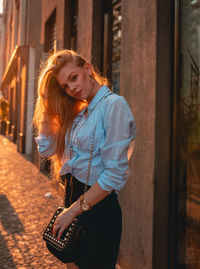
(96, 88)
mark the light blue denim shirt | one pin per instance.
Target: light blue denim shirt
(115, 129)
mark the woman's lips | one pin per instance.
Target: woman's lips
(78, 94)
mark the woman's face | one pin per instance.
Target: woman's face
(75, 81)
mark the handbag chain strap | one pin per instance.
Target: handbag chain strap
(88, 171)
(90, 161)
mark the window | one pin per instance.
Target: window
(188, 137)
(50, 32)
(70, 25)
(112, 42)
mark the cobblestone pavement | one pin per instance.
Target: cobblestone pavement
(22, 199)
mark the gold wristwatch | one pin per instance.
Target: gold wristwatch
(85, 206)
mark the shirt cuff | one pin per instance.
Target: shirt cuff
(45, 146)
(111, 185)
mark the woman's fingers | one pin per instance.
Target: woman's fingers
(60, 233)
(58, 229)
(55, 229)
(62, 222)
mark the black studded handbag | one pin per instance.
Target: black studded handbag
(65, 248)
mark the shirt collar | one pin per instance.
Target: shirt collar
(103, 91)
(81, 113)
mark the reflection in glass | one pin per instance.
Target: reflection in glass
(116, 43)
(189, 135)
(74, 18)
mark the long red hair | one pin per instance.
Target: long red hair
(54, 103)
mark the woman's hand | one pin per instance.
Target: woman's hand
(63, 221)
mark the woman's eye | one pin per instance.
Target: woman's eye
(74, 78)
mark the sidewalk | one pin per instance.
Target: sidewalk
(24, 212)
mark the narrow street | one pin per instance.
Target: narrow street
(24, 212)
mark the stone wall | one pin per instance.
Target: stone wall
(138, 85)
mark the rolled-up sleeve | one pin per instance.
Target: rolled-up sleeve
(120, 130)
(45, 145)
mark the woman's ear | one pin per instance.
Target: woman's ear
(88, 68)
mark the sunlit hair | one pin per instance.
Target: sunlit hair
(54, 103)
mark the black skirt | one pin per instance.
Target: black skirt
(103, 223)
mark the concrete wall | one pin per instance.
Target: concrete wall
(1, 45)
(22, 38)
(138, 85)
(7, 13)
(34, 23)
(84, 42)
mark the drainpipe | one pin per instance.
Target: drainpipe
(22, 88)
(22, 23)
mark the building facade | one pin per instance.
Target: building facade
(150, 51)
(1, 43)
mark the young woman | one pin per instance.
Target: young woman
(75, 109)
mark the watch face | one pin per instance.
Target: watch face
(85, 205)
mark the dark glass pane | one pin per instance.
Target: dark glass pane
(116, 45)
(74, 18)
(189, 135)
(50, 32)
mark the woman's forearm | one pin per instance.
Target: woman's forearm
(94, 195)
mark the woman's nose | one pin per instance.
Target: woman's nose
(72, 87)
